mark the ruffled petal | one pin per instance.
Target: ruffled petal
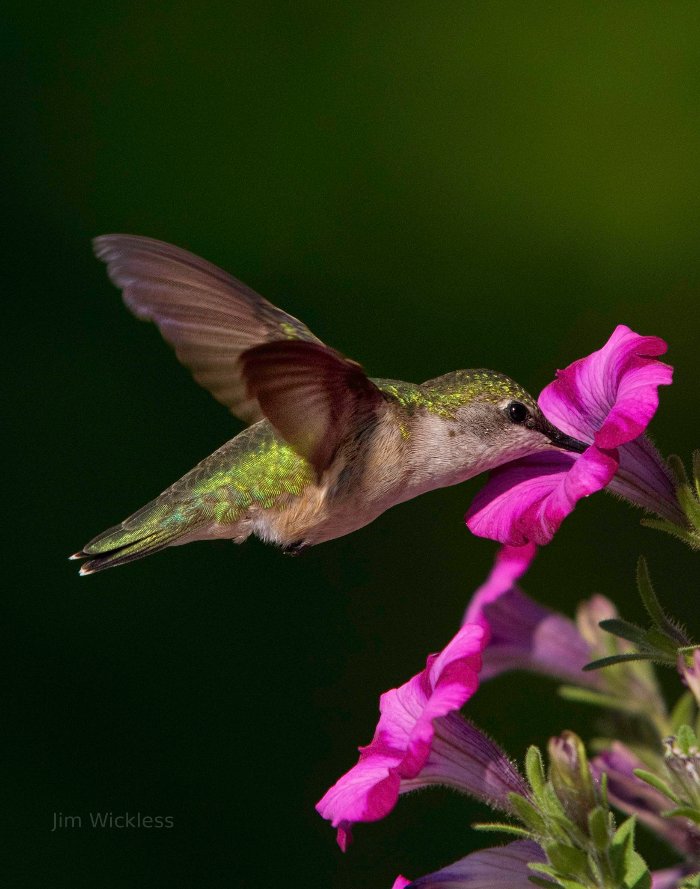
(405, 731)
(527, 500)
(610, 396)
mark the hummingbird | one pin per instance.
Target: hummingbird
(327, 448)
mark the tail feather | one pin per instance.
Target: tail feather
(154, 527)
(121, 556)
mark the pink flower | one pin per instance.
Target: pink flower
(421, 740)
(607, 399)
(510, 565)
(524, 635)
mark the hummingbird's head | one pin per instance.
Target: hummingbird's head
(526, 425)
(492, 420)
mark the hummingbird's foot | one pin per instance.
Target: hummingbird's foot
(293, 549)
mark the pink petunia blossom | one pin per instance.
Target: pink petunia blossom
(421, 740)
(606, 399)
(525, 635)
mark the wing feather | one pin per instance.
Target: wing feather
(208, 316)
(313, 396)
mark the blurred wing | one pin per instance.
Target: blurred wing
(313, 396)
(208, 316)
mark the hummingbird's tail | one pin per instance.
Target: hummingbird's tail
(147, 531)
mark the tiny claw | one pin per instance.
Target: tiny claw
(79, 555)
(86, 569)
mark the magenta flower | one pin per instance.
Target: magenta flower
(524, 635)
(509, 566)
(421, 740)
(607, 399)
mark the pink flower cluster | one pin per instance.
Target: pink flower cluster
(421, 739)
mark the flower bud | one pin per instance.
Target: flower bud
(571, 777)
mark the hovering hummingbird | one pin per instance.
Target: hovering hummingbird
(328, 449)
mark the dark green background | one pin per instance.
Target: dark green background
(429, 186)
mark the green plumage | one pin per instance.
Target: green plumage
(256, 468)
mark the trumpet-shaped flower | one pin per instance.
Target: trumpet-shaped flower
(607, 399)
(421, 740)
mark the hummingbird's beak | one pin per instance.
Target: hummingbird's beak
(565, 442)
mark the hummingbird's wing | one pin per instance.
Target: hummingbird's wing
(313, 396)
(208, 316)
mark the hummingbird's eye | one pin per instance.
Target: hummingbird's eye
(517, 412)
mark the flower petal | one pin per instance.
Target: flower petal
(510, 565)
(662, 879)
(405, 731)
(527, 500)
(503, 867)
(610, 396)
(527, 636)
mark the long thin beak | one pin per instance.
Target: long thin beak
(566, 442)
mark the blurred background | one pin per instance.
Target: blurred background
(428, 186)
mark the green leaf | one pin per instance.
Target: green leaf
(534, 769)
(683, 712)
(689, 504)
(620, 659)
(660, 641)
(651, 602)
(696, 471)
(527, 813)
(693, 540)
(683, 812)
(544, 869)
(624, 835)
(622, 847)
(678, 469)
(624, 629)
(567, 859)
(637, 875)
(501, 827)
(598, 828)
(544, 884)
(588, 696)
(656, 782)
(604, 791)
